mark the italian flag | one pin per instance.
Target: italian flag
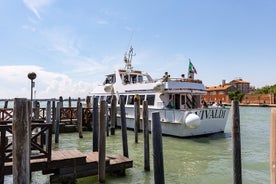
(192, 68)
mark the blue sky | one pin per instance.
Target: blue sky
(71, 45)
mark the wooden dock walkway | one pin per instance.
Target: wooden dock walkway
(72, 164)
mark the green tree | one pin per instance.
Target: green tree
(235, 95)
(265, 90)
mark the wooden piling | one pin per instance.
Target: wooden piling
(136, 116)
(107, 119)
(146, 136)
(79, 119)
(123, 126)
(57, 122)
(69, 102)
(157, 149)
(95, 124)
(113, 114)
(2, 156)
(54, 115)
(61, 101)
(6, 104)
(237, 168)
(36, 110)
(21, 132)
(102, 153)
(273, 147)
(48, 112)
(48, 119)
(88, 111)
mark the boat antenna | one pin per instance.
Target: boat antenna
(128, 58)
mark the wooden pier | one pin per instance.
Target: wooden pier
(64, 166)
(68, 165)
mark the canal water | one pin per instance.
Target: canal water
(202, 160)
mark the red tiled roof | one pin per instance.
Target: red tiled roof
(217, 88)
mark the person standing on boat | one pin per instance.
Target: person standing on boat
(170, 104)
(126, 79)
(169, 77)
(204, 104)
(182, 77)
(165, 77)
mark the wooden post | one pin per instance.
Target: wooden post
(48, 112)
(2, 155)
(237, 171)
(146, 137)
(48, 141)
(88, 102)
(88, 111)
(79, 117)
(21, 132)
(69, 102)
(61, 101)
(102, 127)
(113, 114)
(48, 121)
(54, 115)
(95, 124)
(106, 119)
(273, 147)
(36, 110)
(136, 116)
(6, 104)
(157, 149)
(123, 126)
(57, 122)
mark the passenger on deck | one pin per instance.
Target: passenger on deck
(126, 79)
(204, 104)
(182, 78)
(165, 77)
(170, 105)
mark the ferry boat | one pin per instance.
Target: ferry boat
(177, 100)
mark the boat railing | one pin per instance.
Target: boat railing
(180, 80)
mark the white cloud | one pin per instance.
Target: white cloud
(47, 84)
(36, 5)
(31, 28)
(102, 22)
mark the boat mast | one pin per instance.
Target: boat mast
(128, 58)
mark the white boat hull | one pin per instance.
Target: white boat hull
(212, 120)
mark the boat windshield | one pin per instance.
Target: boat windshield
(110, 79)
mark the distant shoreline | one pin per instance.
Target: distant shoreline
(253, 105)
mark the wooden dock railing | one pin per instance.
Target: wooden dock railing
(41, 141)
(6, 113)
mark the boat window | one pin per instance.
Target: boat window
(130, 100)
(126, 79)
(140, 78)
(183, 99)
(133, 78)
(108, 99)
(142, 98)
(150, 99)
(183, 102)
(124, 99)
(110, 79)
